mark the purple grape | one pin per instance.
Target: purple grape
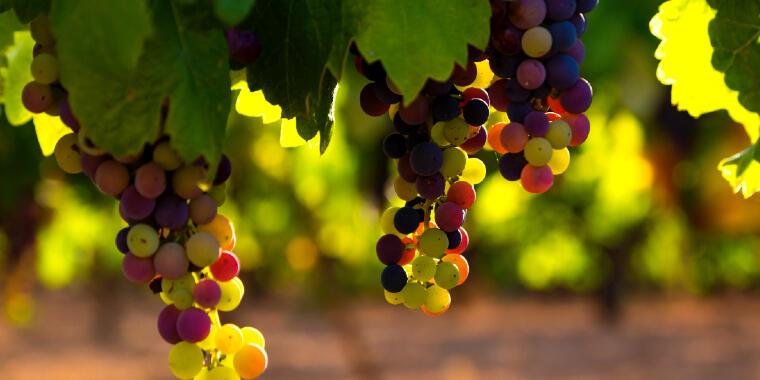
(167, 324)
(498, 95)
(517, 111)
(393, 278)
(536, 123)
(207, 293)
(389, 249)
(475, 144)
(431, 187)
(449, 216)
(526, 14)
(394, 145)
(193, 325)
(464, 76)
(121, 240)
(407, 220)
(137, 269)
(515, 92)
(373, 71)
(586, 6)
(405, 169)
(370, 103)
(223, 171)
(135, 205)
(402, 127)
(563, 35)
(505, 66)
(577, 51)
(476, 112)
(531, 74)
(64, 111)
(562, 71)
(426, 158)
(542, 92)
(577, 99)
(560, 9)
(416, 112)
(511, 166)
(455, 238)
(580, 23)
(445, 108)
(244, 46)
(436, 88)
(171, 211)
(90, 163)
(385, 95)
(507, 40)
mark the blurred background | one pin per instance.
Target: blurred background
(640, 263)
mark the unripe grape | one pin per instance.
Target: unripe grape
(423, 268)
(456, 131)
(252, 335)
(414, 295)
(447, 275)
(45, 69)
(474, 171)
(187, 180)
(40, 30)
(538, 151)
(437, 299)
(226, 268)
(536, 179)
(202, 249)
(433, 242)
(393, 298)
(513, 137)
(559, 134)
(560, 161)
(67, 154)
(221, 228)
(232, 294)
(454, 160)
(202, 209)
(185, 360)
(405, 190)
(461, 263)
(229, 339)
(536, 42)
(37, 97)
(142, 240)
(166, 157)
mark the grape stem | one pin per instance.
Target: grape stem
(426, 208)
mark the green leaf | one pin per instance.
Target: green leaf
(110, 92)
(17, 75)
(320, 117)
(232, 12)
(117, 94)
(742, 171)
(8, 25)
(347, 26)
(417, 39)
(734, 34)
(27, 10)
(5, 5)
(297, 38)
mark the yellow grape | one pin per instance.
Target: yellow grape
(560, 161)
(185, 360)
(405, 190)
(386, 221)
(433, 242)
(67, 154)
(538, 151)
(222, 373)
(474, 171)
(393, 298)
(250, 361)
(221, 228)
(229, 339)
(414, 295)
(437, 299)
(253, 335)
(231, 296)
(454, 161)
(559, 134)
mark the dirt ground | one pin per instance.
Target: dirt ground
(483, 338)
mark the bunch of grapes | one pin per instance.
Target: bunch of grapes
(175, 242)
(530, 70)
(536, 51)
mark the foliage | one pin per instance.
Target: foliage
(709, 49)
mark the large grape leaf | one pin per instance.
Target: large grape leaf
(417, 39)
(27, 10)
(297, 38)
(734, 35)
(161, 54)
(686, 63)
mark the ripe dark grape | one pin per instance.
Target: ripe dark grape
(455, 238)
(37, 97)
(577, 51)
(223, 170)
(406, 220)
(577, 99)
(389, 249)
(475, 112)
(559, 10)
(67, 117)
(449, 216)
(121, 240)
(171, 211)
(511, 165)
(244, 45)
(580, 23)
(475, 144)
(563, 35)
(402, 127)
(536, 123)
(445, 108)
(416, 112)
(384, 94)
(394, 145)
(167, 324)
(431, 187)
(507, 40)
(505, 66)
(393, 278)
(531, 74)
(373, 71)
(426, 159)
(586, 6)
(518, 111)
(370, 103)
(526, 14)
(498, 95)
(464, 76)
(515, 92)
(405, 169)
(562, 71)
(436, 88)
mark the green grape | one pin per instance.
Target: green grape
(182, 298)
(40, 29)
(45, 69)
(67, 154)
(393, 298)
(231, 296)
(166, 157)
(456, 131)
(414, 295)
(559, 134)
(433, 242)
(202, 375)
(437, 300)
(253, 335)
(222, 373)
(164, 296)
(229, 339)
(219, 194)
(437, 135)
(186, 181)
(447, 275)
(202, 249)
(536, 42)
(423, 267)
(142, 240)
(454, 161)
(185, 360)
(386, 221)
(538, 151)
(560, 161)
(405, 190)
(474, 171)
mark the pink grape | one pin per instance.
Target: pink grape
(193, 325)
(167, 324)
(137, 269)
(226, 268)
(207, 293)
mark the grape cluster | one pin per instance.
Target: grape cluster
(535, 50)
(175, 241)
(530, 70)
(434, 134)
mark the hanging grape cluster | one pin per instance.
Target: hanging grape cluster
(175, 241)
(530, 70)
